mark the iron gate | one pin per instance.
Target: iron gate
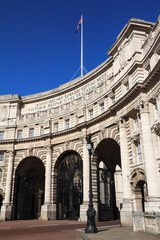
(69, 187)
(107, 209)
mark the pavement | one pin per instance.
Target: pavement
(68, 230)
(118, 233)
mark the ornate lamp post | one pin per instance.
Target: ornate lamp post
(91, 227)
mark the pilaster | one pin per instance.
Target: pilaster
(48, 210)
(127, 208)
(6, 208)
(153, 202)
(84, 206)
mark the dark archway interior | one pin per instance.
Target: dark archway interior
(69, 186)
(142, 188)
(1, 200)
(108, 151)
(108, 156)
(29, 188)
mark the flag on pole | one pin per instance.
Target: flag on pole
(80, 22)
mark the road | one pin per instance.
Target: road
(46, 230)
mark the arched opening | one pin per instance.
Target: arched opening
(108, 156)
(1, 201)
(69, 186)
(29, 188)
(142, 187)
(139, 187)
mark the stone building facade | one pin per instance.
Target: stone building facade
(44, 163)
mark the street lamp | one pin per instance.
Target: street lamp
(91, 226)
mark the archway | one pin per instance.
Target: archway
(29, 188)
(1, 198)
(139, 188)
(108, 156)
(69, 186)
(1, 201)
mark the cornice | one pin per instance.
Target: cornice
(133, 24)
(25, 140)
(10, 98)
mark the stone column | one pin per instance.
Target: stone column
(48, 208)
(126, 211)
(6, 208)
(153, 202)
(84, 206)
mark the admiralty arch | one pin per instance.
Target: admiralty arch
(44, 162)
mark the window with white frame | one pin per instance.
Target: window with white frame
(102, 108)
(1, 135)
(1, 157)
(139, 154)
(67, 123)
(42, 130)
(56, 127)
(31, 132)
(19, 134)
(91, 114)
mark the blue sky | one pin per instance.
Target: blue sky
(39, 49)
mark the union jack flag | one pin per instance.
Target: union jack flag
(80, 21)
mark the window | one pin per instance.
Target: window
(19, 134)
(91, 114)
(139, 154)
(56, 127)
(156, 110)
(136, 125)
(42, 130)
(1, 156)
(102, 108)
(31, 132)
(67, 123)
(1, 135)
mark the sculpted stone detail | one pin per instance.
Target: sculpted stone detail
(67, 145)
(135, 137)
(3, 113)
(121, 58)
(156, 128)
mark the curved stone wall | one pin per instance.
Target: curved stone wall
(118, 100)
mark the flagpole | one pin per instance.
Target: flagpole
(82, 46)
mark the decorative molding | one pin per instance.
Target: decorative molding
(136, 176)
